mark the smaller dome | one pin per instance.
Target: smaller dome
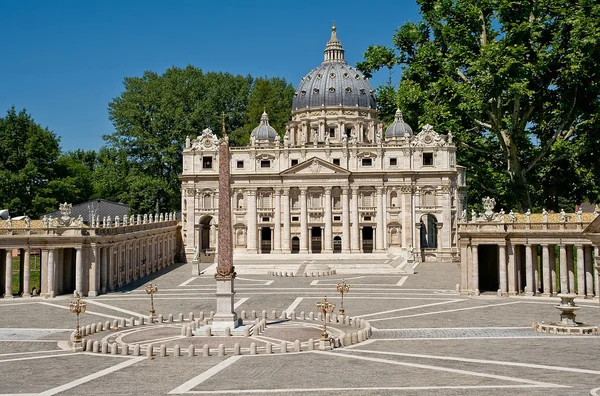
(264, 130)
(398, 128)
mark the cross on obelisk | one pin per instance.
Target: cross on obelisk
(225, 315)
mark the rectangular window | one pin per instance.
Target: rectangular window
(367, 218)
(427, 159)
(295, 218)
(332, 132)
(348, 132)
(240, 165)
(367, 162)
(206, 162)
(337, 218)
(265, 163)
(336, 161)
(393, 161)
(266, 219)
(294, 162)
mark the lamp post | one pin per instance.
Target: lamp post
(151, 289)
(342, 288)
(77, 307)
(325, 307)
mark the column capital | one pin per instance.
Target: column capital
(379, 190)
(285, 192)
(276, 191)
(345, 190)
(251, 191)
(303, 190)
(327, 190)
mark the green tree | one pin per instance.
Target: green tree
(273, 95)
(74, 176)
(516, 83)
(155, 113)
(28, 162)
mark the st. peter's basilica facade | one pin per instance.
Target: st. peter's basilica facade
(339, 182)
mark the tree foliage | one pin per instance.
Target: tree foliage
(155, 113)
(516, 83)
(28, 163)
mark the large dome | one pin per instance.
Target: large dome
(334, 83)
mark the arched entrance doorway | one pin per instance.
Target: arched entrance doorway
(315, 240)
(367, 239)
(265, 240)
(337, 244)
(428, 232)
(204, 236)
(295, 245)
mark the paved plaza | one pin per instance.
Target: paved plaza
(427, 340)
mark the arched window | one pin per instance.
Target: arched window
(367, 199)
(428, 198)
(240, 240)
(295, 198)
(335, 198)
(428, 231)
(394, 237)
(393, 199)
(207, 201)
(240, 201)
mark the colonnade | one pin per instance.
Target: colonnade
(532, 268)
(91, 267)
(281, 226)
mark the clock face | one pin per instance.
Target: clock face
(207, 142)
(427, 139)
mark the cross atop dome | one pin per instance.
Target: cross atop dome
(333, 50)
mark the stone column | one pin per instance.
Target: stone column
(564, 278)
(502, 269)
(475, 254)
(8, 273)
(546, 270)
(580, 271)
(530, 288)
(355, 245)
(104, 269)
(552, 259)
(597, 270)
(277, 218)
(303, 221)
(464, 266)
(94, 271)
(251, 213)
(78, 271)
(286, 221)
(328, 225)
(571, 269)
(345, 220)
(512, 270)
(111, 268)
(51, 273)
(589, 270)
(26, 273)
(379, 221)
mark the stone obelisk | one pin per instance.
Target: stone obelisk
(225, 276)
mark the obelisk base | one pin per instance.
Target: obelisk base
(225, 315)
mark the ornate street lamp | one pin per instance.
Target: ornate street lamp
(325, 307)
(342, 288)
(77, 307)
(151, 289)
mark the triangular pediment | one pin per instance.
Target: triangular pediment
(315, 166)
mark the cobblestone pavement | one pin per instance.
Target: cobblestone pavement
(427, 340)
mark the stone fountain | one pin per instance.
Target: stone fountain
(567, 324)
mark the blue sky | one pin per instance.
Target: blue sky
(65, 60)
